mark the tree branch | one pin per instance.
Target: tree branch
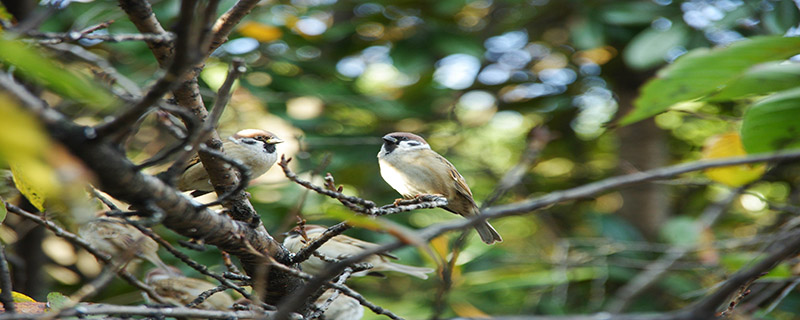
(176, 312)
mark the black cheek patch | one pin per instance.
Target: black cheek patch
(389, 147)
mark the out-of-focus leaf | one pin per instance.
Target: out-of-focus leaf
(736, 261)
(703, 71)
(467, 310)
(681, 231)
(760, 79)
(19, 297)
(649, 48)
(3, 212)
(730, 145)
(632, 13)
(588, 34)
(43, 70)
(511, 278)
(772, 123)
(260, 31)
(214, 75)
(57, 301)
(33, 178)
(781, 18)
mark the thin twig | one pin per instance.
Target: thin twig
(88, 247)
(308, 250)
(327, 303)
(360, 205)
(189, 261)
(284, 163)
(5, 283)
(205, 295)
(148, 311)
(59, 37)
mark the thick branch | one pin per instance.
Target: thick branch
(177, 312)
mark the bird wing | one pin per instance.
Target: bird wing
(362, 244)
(193, 161)
(461, 186)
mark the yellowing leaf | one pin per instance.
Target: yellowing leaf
(260, 32)
(439, 245)
(730, 145)
(35, 180)
(18, 297)
(467, 310)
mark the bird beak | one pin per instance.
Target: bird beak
(274, 141)
(390, 139)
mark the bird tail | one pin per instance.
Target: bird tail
(418, 272)
(488, 233)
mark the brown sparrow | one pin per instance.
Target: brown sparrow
(117, 238)
(410, 166)
(254, 147)
(342, 307)
(181, 290)
(342, 247)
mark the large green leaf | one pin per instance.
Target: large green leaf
(38, 68)
(704, 71)
(772, 123)
(760, 79)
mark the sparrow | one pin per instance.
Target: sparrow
(410, 167)
(342, 307)
(117, 238)
(342, 247)
(181, 290)
(254, 147)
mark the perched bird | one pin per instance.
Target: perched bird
(181, 290)
(254, 147)
(341, 308)
(342, 247)
(119, 239)
(410, 166)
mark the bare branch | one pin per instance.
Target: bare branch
(308, 250)
(5, 283)
(59, 37)
(225, 24)
(360, 205)
(175, 312)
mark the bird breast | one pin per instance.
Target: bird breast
(411, 174)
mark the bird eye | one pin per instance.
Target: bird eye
(248, 141)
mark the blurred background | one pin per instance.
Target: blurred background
(473, 77)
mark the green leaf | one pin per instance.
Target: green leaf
(704, 71)
(760, 79)
(36, 67)
(771, 123)
(3, 211)
(681, 231)
(632, 13)
(57, 301)
(650, 47)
